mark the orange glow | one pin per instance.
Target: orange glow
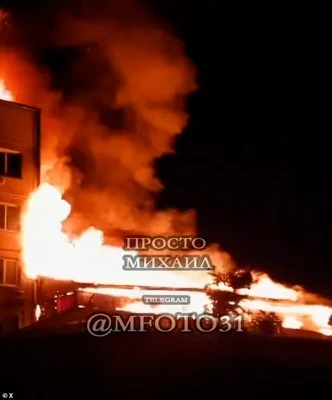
(50, 252)
(5, 94)
(37, 312)
(296, 315)
(268, 289)
(156, 78)
(265, 287)
(291, 323)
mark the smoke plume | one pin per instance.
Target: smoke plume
(100, 145)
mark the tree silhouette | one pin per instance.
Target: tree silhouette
(226, 302)
(239, 279)
(265, 323)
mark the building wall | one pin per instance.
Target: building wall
(19, 135)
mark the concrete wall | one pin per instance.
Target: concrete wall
(19, 132)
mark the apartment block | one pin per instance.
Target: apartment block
(19, 176)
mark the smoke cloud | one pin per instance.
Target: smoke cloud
(100, 146)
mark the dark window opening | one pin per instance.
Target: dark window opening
(11, 164)
(2, 270)
(14, 165)
(2, 216)
(2, 163)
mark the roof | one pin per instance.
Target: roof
(19, 105)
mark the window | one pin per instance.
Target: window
(10, 217)
(9, 272)
(11, 164)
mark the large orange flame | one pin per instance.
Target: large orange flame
(49, 251)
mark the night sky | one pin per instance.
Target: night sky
(254, 160)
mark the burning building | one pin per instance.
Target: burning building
(98, 183)
(44, 264)
(19, 175)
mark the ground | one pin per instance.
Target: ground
(155, 365)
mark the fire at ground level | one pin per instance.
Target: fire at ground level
(65, 361)
(57, 297)
(49, 250)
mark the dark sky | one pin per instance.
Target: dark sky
(255, 158)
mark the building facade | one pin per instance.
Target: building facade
(19, 176)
